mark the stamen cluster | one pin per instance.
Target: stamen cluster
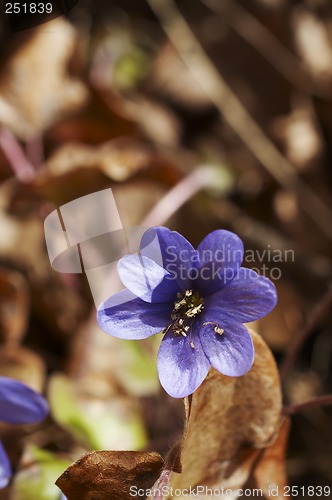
(186, 308)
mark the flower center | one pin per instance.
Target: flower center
(187, 306)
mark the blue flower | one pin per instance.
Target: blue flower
(198, 299)
(18, 405)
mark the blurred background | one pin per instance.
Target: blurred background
(231, 99)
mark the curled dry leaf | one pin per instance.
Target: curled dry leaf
(35, 87)
(228, 421)
(110, 474)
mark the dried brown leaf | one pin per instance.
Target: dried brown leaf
(229, 419)
(108, 475)
(300, 135)
(157, 121)
(14, 306)
(313, 43)
(118, 159)
(270, 471)
(103, 118)
(170, 77)
(35, 87)
(77, 169)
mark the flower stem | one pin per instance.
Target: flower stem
(172, 464)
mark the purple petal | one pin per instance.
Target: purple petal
(247, 298)
(19, 404)
(232, 352)
(131, 318)
(220, 256)
(181, 368)
(146, 279)
(171, 251)
(5, 468)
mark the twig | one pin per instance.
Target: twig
(266, 44)
(21, 166)
(236, 114)
(325, 400)
(179, 195)
(318, 315)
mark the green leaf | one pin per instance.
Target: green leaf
(139, 375)
(38, 480)
(109, 427)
